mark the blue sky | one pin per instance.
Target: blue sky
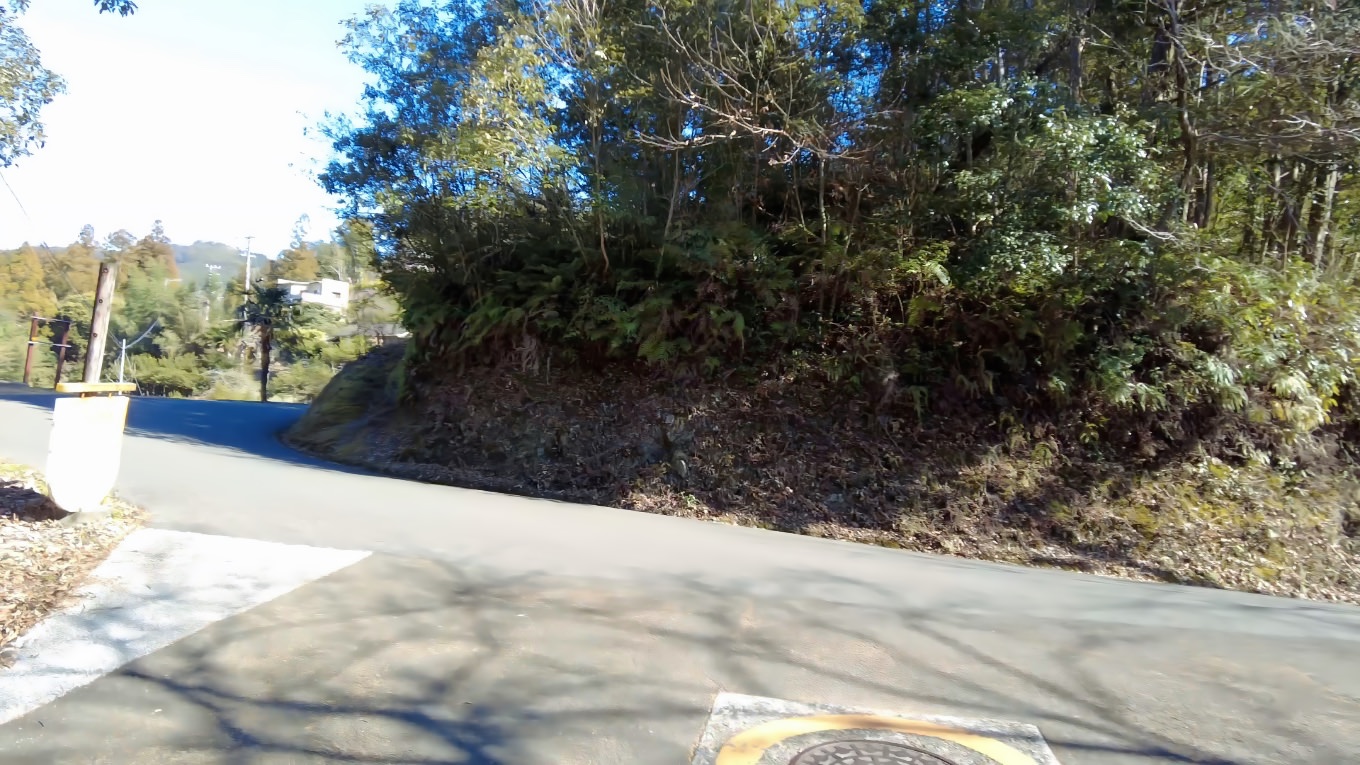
(192, 112)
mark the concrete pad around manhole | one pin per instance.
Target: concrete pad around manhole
(751, 730)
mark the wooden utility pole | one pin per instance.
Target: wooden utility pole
(63, 343)
(59, 346)
(32, 341)
(99, 322)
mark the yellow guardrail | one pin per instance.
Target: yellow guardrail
(92, 389)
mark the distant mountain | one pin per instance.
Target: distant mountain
(193, 258)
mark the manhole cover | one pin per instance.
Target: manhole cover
(866, 753)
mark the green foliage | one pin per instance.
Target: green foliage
(25, 288)
(1144, 222)
(152, 255)
(231, 385)
(177, 376)
(26, 86)
(342, 351)
(301, 382)
(13, 336)
(305, 331)
(187, 336)
(298, 263)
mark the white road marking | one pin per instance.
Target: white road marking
(156, 588)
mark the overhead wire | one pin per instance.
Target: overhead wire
(122, 353)
(51, 257)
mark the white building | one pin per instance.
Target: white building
(331, 293)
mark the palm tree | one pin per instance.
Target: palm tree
(276, 320)
(266, 310)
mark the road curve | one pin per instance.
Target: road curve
(502, 630)
(219, 468)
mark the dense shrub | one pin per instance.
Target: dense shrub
(1152, 239)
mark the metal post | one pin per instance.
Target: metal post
(99, 322)
(63, 341)
(32, 341)
(122, 357)
(249, 255)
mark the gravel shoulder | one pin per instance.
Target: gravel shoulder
(44, 557)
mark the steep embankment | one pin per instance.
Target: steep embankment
(791, 457)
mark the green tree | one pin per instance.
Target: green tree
(166, 376)
(74, 269)
(13, 339)
(79, 309)
(297, 263)
(307, 333)
(1122, 211)
(152, 254)
(26, 86)
(354, 242)
(266, 314)
(143, 300)
(333, 261)
(26, 289)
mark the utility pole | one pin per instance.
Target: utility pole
(99, 322)
(63, 344)
(249, 239)
(209, 291)
(60, 346)
(32, 341)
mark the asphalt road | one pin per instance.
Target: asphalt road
(494, 629)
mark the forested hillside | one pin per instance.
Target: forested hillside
(1107, 238)
(184, 321)
(193, 258)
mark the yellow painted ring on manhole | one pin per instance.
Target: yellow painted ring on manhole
(749, 746)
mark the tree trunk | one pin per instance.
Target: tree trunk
(266, 343)
(1320, 213)
(1204, 195)
(1156, 69)
(1076, 45)
(675, 128)
(1253, 215)
(1287, 206)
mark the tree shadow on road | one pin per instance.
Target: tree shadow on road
(400, 660)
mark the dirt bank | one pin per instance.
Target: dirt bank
(796, 458)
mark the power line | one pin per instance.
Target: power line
(17, 201)
(142, 337)
(51, 258)
(122, 352)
